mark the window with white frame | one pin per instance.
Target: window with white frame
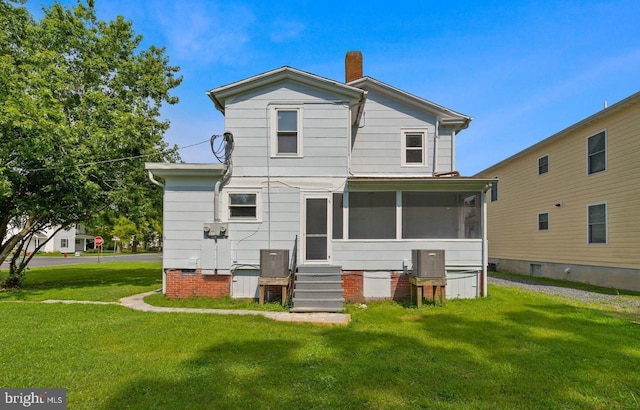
(286, 131)
(494, 191)
(64, 243)
(413, 147)
(543, 165)
(244, 205)
(597, 223)
(543, 221)
(597, 152)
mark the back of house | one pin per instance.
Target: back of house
(345, 179)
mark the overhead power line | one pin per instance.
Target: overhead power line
(107, 161)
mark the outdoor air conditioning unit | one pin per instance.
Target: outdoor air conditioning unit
(274, 263)
(428, 263)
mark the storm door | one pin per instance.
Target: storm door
(316, 229)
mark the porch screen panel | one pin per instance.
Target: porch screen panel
(440, 215)
(372, 215)
(316, 232)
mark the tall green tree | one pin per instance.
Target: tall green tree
(80, 107)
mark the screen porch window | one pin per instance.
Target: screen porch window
(441, 215)
(372, 215)
(413, 148)
(287, 132)
(243, 206)
(597, 225)
(597, 152)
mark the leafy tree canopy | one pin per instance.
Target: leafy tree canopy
(79, 115)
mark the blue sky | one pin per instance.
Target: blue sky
(523, 70)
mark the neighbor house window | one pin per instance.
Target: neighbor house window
(543, 165)
(494, 191)
(243, 205)
(372, 215)
(413, 147)
(543, 221)
(597, 225)
(597, 152)
(286, 138)
(64, 243)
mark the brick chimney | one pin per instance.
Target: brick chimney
(353, 66)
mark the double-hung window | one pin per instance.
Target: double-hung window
(597, 223)
(597, 153)
(286, 131)
(413, 148)
(543, 165)
(64, 243)
(543, 221)
(244, 206)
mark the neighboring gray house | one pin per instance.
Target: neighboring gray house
(361, 173)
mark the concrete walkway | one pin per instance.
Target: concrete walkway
(137, 302)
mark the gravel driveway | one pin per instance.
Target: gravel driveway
(583, 295)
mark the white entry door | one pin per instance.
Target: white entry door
(316, 228)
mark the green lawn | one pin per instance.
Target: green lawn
(514, 349)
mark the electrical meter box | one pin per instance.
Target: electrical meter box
(428, 263)
(274, 263)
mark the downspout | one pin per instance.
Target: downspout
(436, 137)
(153, 180)
(485, 242)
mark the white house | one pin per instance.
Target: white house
(348, 177)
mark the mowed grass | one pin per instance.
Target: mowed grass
(514, 349)
(105, 281)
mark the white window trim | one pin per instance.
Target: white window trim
(606, 151)
(548, 221)
(538, 165)
(251, 191)
(606, 224)
(403, 143)
(274, 131)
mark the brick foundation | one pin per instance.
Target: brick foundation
(400, 286)
(352, 286)
(183, 285)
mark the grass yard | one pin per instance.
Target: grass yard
(514, 349)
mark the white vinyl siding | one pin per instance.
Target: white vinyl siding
(323, 141)
(378, 146)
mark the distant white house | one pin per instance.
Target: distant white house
(69, 240)
(349, 178)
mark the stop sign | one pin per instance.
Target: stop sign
(98, 241)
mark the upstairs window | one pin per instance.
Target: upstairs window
(243, 206)
(597, 152)
(286, 138)
(543, 221)
(413, 148)
(494, 191)
(543, 165)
